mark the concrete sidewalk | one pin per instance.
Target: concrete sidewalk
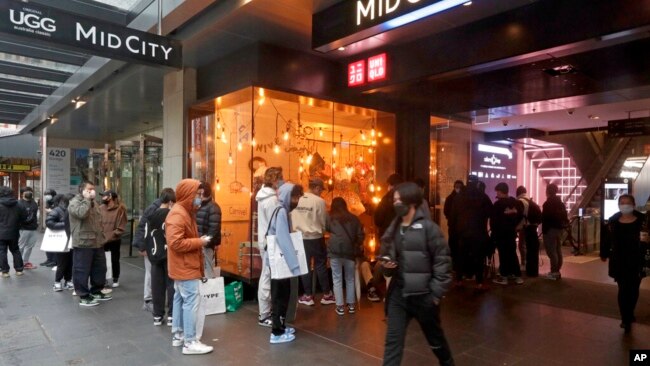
(568, 322)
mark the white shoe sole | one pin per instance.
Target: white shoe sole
(187, 351)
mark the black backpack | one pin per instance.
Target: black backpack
(154, 238)
(534, 213)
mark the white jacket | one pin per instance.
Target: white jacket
(267, 201)
(310, 216)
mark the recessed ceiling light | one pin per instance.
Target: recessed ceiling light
(592, 116)
(467, 3)
(341, 48)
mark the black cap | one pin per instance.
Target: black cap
(109, 192)
(502, 187)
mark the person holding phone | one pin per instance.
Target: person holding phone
(415, 253)
(185, 266)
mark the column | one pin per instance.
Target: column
(413, 144)
(179, 93)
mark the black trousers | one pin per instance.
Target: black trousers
(400, 312)
(316, 248)
(628, 296)
(280, 294)
(51, 257)
(471, 257)
(12, 246)
(508, 261)
(161, 285)
(532, 251)
(454, 248)
(114, 248)
(63, 266)
(88, 263)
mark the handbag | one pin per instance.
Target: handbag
(213, 296)
(234, 295)
(55, 241)
(279, 267)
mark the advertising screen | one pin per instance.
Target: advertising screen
(612, 192)
(494, 164)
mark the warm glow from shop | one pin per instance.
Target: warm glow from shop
(276, 148)
(240, 147)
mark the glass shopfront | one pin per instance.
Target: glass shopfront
(234, 138)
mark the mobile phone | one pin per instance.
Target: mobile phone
(384, 258)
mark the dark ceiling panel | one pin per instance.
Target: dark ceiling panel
(21, 98)
(35, 50)
(14, 107)
(33, 72)
(27, 87)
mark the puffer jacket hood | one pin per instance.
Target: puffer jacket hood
(284, 195)
(8, 201)
(264, 194)
(185, 193)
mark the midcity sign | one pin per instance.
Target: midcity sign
(87, 35)
(354, 20)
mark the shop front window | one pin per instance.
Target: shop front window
(236, 137)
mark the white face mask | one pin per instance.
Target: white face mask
(626, 209)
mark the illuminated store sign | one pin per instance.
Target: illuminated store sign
(371, 70)
(87, 35)
(351, 21)
(494, 164)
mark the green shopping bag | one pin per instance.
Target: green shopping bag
(234, 295)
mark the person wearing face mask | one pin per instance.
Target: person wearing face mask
(280, 226)
(554, 220)
(48, 199)
(416, 255)
(28, 234)
(621, 243)
(185, 266)
(113, 223)
(208, 220)
(87, 237)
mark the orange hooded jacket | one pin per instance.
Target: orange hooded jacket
(184, 248)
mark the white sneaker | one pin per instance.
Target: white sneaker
(116, 284)
(177, 340)
(54, 269)
(196, 348)
(282, 338)
(169, 321)
(57, 287)
(74, 293)
(106, 291)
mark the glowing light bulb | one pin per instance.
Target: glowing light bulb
(379, 134)
(218, 124)
(230, 158)
(320, 131)
(300, 169)
(309, 157)
(334, 151)
(276, 148)
(285, 136)
(373, 132)
(240, 147)
(373, 142)
(378, 188)
(360, 158)
(330, 181)
(223, 137)
(372, 188)
(253, 142)
(372, 167)
(218, 186)
(363, 172)
(363, 135)
(260, 91)
(302, 161)
(370, 150)
(334, 165)
(261, 101)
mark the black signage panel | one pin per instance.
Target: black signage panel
(353, 20)
(88, 35)
(629, 127)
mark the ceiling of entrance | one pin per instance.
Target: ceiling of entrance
(610, 84)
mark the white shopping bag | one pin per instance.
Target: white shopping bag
(55, 241)
(213, 296)
(279, 267)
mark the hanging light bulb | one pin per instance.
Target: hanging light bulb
(379, 134)
(372, 187)
(285, 136)
(240, 147)
(223, 136)
(370, 150)
(378, 188)
(300, 169)
(218, 185)
(218, 123)
(276, 148)
(334, 165)
(360, 158)
(253, 142)
(373, 142)
(230, 158)
(372, 167)
(373, 132)
(330, 181)
(309, 157)
(320, 131)
(363, 135)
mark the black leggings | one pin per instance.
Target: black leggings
(280, 295)
(63, 267)
(114, 248)
(628, 296)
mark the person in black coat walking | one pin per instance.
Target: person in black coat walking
(621, 244)
(12, 216)
(58, 219)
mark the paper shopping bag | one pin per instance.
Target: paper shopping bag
(279, 267)
(213, 296)
(55, 241)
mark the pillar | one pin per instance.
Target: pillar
(178, 95)
(413, 144)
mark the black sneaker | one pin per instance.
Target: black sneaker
(88, 301)
(340, 310)
(372, 295)
(102, 297)
(157, 320)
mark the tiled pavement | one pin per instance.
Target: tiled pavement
(568, 322)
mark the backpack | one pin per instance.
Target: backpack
(155, 243)
(534, 213)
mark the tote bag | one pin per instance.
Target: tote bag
(55, 241)
(213, 296)
(279, 267)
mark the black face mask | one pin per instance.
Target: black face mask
(29, 195)
(400, 209)
(105, 202)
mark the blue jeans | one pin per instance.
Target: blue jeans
(186, 306)
(339, 265)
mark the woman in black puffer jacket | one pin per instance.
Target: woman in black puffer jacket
(416, 255)
(345, 244)
(57, 219)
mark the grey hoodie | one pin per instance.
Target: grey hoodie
(280, 226)
(267, 201)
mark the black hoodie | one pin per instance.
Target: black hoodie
(12, 215)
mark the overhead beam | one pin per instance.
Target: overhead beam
(33, 72)
(9, 44)
(21, 98)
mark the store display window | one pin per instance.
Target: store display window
(234, 138)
